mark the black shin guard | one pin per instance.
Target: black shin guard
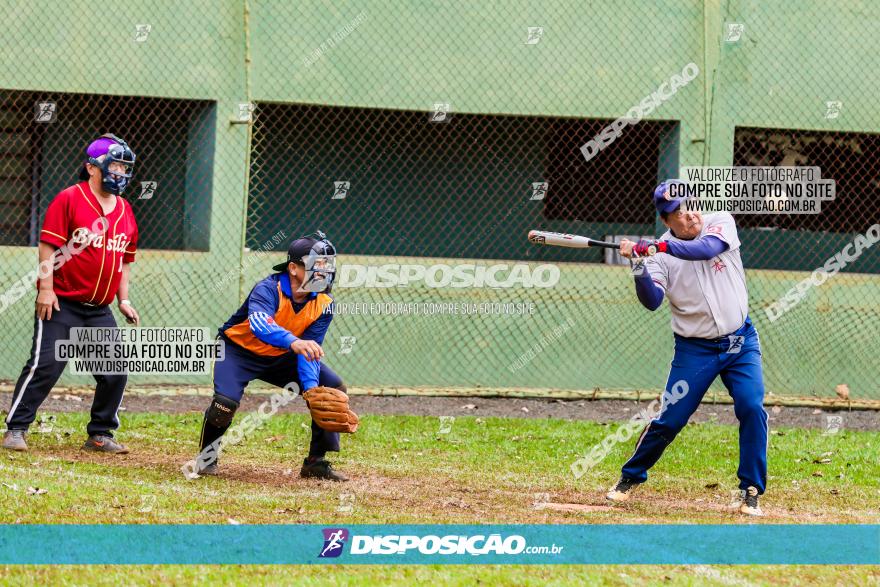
(218, 418)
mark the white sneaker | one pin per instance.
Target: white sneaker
(749, 505)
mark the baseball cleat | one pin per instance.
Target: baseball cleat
(320, 469)
(211, 469)
(749, 505)
(14, 440)
(103, 443)
(620, 492)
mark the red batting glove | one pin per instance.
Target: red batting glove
(643, 248)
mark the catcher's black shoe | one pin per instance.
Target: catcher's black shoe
(320, 469)
(749, 505)
(102, 443)
(620, 492)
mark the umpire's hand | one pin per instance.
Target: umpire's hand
(131, 315)
(307, 348)
(46, 302)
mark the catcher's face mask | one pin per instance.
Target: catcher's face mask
(319, 265)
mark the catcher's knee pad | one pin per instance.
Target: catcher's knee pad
(221, 411)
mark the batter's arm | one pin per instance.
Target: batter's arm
(700, 249)
(648, 292)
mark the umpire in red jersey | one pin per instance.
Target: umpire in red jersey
(87, 241)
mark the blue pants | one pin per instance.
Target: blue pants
(737, 358)
(240, 366)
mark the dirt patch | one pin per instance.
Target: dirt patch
(594, 410)
(432, 497)
(573, 507)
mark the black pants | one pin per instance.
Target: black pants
(240, 367)
(42, 371)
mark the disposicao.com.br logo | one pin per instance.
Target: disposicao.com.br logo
(334, 541)
(476, 545)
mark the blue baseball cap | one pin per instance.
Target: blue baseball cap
(664, 202)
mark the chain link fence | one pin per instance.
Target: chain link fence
(174, 161)
(426, 143)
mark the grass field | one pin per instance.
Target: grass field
(500, 576)
(492, 470)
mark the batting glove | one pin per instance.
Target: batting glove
(647, 248)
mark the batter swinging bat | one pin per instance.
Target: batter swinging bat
(558, 239)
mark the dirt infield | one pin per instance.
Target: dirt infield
(595, 410)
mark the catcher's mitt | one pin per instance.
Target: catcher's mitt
(330, 410)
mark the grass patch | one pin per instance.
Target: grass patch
(465, 576)
(404, 470)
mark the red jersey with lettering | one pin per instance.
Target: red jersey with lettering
(92, 246)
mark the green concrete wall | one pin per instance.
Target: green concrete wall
(596, 59)
(793, 59)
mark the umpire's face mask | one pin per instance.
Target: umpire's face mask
(117, 167)
(319, 272)
(115, 179)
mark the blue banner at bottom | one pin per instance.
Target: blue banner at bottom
(440, 544)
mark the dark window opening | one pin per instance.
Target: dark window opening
(44, 137)
(465, 187)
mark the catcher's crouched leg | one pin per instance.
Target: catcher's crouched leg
(331, 415)
(218, 418)
(323, 440)
(330, 410)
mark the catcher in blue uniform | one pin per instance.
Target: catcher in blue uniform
(276, 336)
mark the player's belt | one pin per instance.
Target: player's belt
(738, 331)
(87, 304)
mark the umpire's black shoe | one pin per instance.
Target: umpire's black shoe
(102, 443)
(14, 440)
(620, 492)
(320, 469)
